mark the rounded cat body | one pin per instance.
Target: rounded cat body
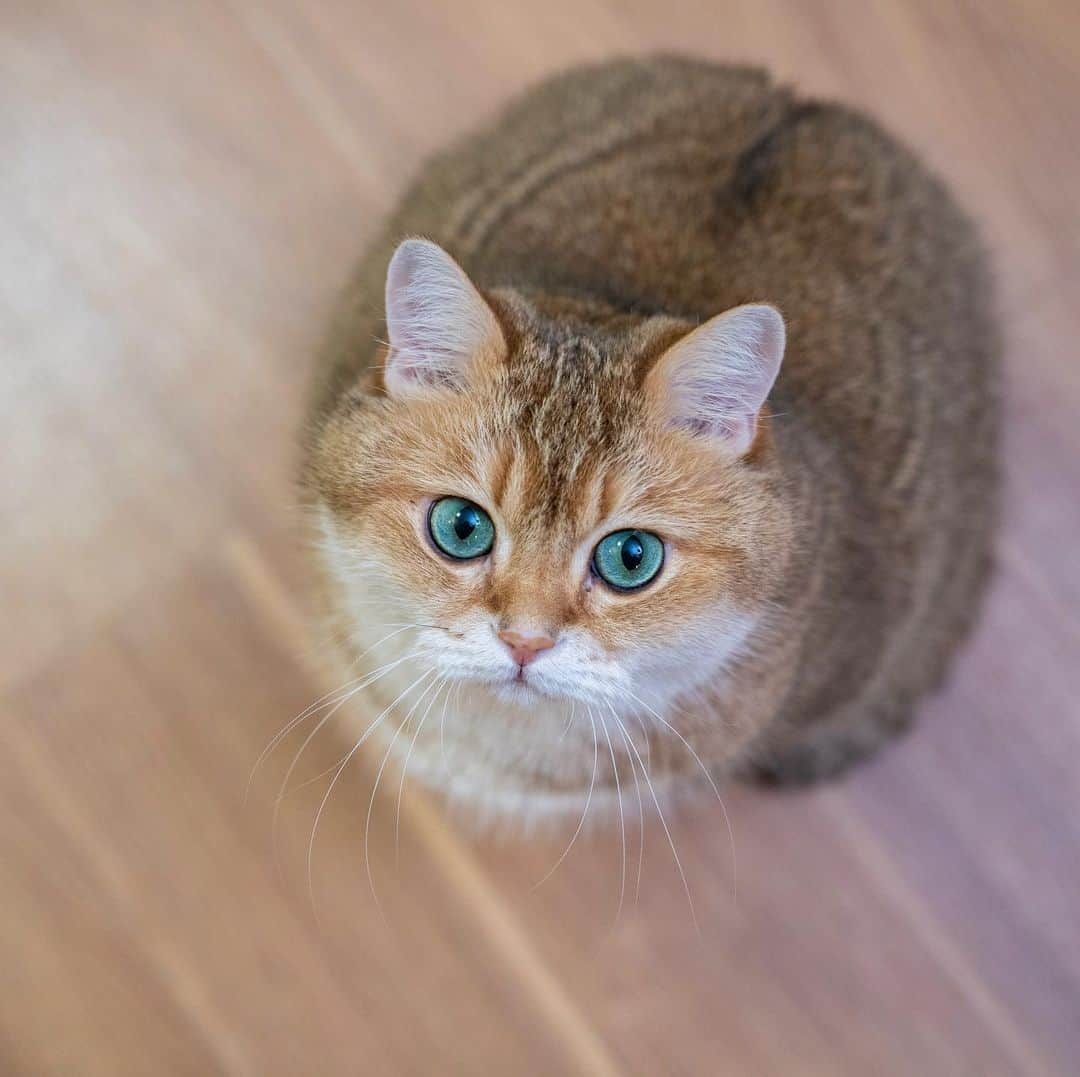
(657, 433)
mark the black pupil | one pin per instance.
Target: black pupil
(632, 553)
(465, 522)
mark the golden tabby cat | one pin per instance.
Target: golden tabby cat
(673, 441)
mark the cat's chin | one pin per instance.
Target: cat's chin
(521, 693)
(487, 801)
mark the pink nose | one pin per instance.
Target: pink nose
(523, 649)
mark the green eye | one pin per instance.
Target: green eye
(627, 560)
(460, 529)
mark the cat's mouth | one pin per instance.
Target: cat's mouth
(519, 687)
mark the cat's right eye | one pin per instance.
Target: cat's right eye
(460, 529)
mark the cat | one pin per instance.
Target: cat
(658, 430)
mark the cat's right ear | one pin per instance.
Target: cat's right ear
(439, 324)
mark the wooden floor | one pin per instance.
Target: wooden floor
(182, 189)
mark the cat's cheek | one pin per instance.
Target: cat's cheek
(596, 604)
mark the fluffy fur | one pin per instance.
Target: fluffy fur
(824, 552)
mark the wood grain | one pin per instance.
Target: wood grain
(184, 187)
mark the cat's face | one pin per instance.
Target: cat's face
(567, 525)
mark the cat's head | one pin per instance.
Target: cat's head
(570, 513)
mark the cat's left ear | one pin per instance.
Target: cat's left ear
(714, 381)
(439, 324)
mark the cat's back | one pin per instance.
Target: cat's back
(578, 186)
(680, 186)
(672, 185)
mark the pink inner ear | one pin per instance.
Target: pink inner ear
(718, 377)
(406, 346)
(436, 319)
(727, 428)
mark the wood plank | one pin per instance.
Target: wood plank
(185, 187)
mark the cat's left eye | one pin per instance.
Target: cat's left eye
(627, 560)
(460, 529)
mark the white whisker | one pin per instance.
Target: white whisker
(365, 682)
(667, 832)
(640, 808)
(375, 787)
(440, 684)
(318, 815)
(454, 693)
(569, 720)
(712, 783)
(308, 711)
(585, 810)
(622, 819)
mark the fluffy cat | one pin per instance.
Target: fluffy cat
(673, 444)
